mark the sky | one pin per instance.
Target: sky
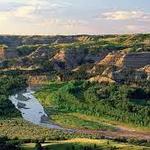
(67, 17)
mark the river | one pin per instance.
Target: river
(31, 109)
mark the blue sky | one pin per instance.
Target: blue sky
(74, 16)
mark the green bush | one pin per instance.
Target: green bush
(110, 101)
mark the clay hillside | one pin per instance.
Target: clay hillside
(107, 58)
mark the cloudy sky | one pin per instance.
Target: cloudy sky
(74, 16)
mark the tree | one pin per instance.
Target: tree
(38, 146)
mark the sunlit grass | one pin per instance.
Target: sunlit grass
(80, 143)
(73, 120)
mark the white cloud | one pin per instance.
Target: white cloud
(62, 17)
(24, 11)
(126, 15)
(48, 4)
(35, 9)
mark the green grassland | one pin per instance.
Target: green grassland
(85, 144)
(74, 120)
(17, 127)
(26, 134)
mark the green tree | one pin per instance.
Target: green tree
(38, 146)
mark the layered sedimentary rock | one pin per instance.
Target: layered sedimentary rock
(137, 60)
(67, 59)
(102, 58)
(6, 53)
(2, 53)
(116, 59)
(122, 67)
(70, 59)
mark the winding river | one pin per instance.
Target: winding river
(31, 109)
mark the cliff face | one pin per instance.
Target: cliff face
(2, 53)
(6, 53)
(131, 60)
(70, 59)
(116, 59)
(108, 58)
(121, 67)
(136, 60)
(67, 59)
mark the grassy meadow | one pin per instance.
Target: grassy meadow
(85, 144)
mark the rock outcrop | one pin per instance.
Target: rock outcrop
(2, 53)
(101, 79)
(70, 59)
(122, 67)
(6, 53)
(115, 59)
(101, 58)
(67, 59)
(136, 60)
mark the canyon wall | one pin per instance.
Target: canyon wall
(122, 67)
(6, 53)
(137, 60)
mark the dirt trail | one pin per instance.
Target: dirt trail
(118, 133)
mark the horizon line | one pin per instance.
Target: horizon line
(80, 34)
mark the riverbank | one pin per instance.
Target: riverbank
(72, 105)
(35, 113)
(31, 109)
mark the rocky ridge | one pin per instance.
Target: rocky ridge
(121, 67)
(110, 58)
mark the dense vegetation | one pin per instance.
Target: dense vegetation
(87, 144)
(7, 144)
(26, 49)
(114, 102)
(73, 144)
(8, 85)
(24, 130)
